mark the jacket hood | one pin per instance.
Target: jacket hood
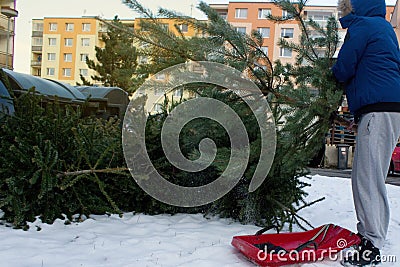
(369, 8)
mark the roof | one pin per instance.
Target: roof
(44, 86)
(6, 103)
(112, 94)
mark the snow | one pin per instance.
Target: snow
(179, 240)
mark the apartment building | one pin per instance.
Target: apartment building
(249, 16)
(7, 26)
(395, 20)
(60, 47)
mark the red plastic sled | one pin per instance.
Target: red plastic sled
(301, 247)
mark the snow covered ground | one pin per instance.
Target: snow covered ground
(180, 240)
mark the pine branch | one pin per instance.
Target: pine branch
(91, 171)
(142, 38)
(292, 212)
(310, 204)
(133, 4)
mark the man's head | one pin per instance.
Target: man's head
(344, 7)
(363, 8)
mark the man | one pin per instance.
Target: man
(368, 65)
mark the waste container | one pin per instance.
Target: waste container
(343, 156)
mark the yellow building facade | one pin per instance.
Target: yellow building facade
(60, 47)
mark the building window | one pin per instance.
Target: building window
(50, 71)
(320, 17)
(158, 91)
(160, 77)
(51, 56)
(144, 28)
(263, 13)
(52, 27)
(67, 72)
(286, 15)
(184, 27)
(316, 35)
(261, 67)
(68, 57)
(68, 41)
(165, 26)
(287, 32)
(85, 41)
(84, 57)
(265, 50)
(37, 41)
(37, 27)
(140, 91)
(178, 93)
(158, 108)
(240, 29)
(285, 52)
(69, 27)
(84, 72)
(86, 27)
(223, 15)
(241, 13)
(52, 41)
(264, 32)
(143, 59)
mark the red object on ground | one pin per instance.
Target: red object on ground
(395, 163)
(320, 243)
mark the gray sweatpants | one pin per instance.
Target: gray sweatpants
(377, 135)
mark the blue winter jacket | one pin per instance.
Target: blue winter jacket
(369, 61)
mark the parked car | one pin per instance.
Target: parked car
(395, 162)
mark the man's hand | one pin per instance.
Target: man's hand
(352, 127)
(349, 124)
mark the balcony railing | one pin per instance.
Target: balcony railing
(37, 34)
(4, 23)
(36, 63)
(37, 48)
(3, 58)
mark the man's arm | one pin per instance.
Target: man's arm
(350, 54)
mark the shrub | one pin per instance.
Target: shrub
(53, 162)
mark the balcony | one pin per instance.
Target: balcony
(3, 57)
(37, 48)
(100, 34)
(36, 63)
(4, 25)
(37, 34)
